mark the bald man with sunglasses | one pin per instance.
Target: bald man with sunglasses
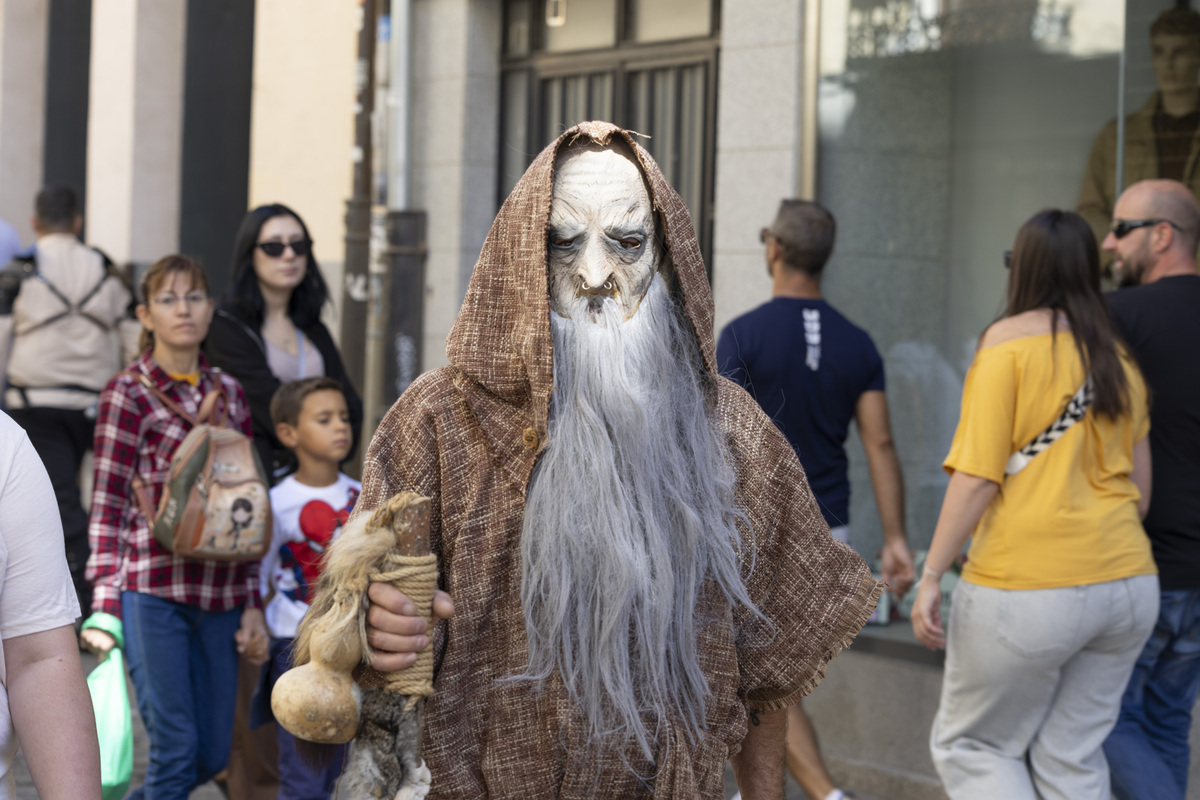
(1152, 240)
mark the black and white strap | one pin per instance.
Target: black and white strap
(1077, 406)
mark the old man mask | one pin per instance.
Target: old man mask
(629, 516)
(601, 243)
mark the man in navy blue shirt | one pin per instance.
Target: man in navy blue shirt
(813, 371)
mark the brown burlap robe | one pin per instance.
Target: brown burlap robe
(468, 435)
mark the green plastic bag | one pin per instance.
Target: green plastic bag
(114, 723)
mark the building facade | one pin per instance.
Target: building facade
(931, 128)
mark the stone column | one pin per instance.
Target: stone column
(758, 142)
(455, 124)
(22, 108)
(135, 127)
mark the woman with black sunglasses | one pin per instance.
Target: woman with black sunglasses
(268, 330)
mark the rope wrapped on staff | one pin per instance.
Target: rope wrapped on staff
(320, 701)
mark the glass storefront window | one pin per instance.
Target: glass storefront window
(577, 24)
(942, 126)
(660, 20)
(573, 99)
(517, 28)
(662, 89)
(514, 157)
(564, 26)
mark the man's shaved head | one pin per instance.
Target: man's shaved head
(1140, 250)
(1172, 201)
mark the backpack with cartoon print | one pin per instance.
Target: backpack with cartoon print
(215, 504)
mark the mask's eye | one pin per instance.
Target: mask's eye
(561, 242)
(630, 243)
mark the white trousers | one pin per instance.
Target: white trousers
(1032, 686)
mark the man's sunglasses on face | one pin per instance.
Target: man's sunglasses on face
(1123, 227)
(300, 247)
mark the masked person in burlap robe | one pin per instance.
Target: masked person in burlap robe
(637, 566)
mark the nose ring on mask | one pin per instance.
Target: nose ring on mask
(583, 286)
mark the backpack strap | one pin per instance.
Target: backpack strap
(144, 498)
(141, 492)
(72, 309)
(208, 405)
(174, 407)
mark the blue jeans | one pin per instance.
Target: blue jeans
(183, 662)
(1148, 750)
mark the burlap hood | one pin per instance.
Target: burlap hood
(501, 339)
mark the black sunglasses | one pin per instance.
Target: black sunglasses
(1123, 227)
(300, 247)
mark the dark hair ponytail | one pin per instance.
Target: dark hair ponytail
(1055, 265)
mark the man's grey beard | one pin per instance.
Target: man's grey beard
(629, 511)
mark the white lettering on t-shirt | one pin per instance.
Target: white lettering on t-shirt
(812, 335)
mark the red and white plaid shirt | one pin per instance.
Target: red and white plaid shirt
(136, 434)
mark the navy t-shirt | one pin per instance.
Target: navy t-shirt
(807, 366)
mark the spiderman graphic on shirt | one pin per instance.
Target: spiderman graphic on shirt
(319, 525)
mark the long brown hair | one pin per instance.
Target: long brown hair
(157, 275)
(1055, 265)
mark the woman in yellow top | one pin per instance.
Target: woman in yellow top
(1060, 591)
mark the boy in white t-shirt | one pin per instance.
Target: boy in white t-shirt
(310, 507)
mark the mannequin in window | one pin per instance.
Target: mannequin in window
(1162, 138)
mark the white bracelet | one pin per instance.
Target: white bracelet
(925, 573)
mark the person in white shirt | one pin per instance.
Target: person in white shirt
(66, 327)
(43, 696)
(310, 506)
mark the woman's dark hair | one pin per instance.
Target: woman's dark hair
(307, 300)
(1055, 264)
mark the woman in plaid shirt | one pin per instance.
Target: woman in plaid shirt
(185, 620)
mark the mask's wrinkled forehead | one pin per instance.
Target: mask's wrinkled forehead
(601, 234)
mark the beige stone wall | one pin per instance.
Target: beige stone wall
(22, 108)
(302, 120)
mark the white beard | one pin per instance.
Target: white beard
(629, 511)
